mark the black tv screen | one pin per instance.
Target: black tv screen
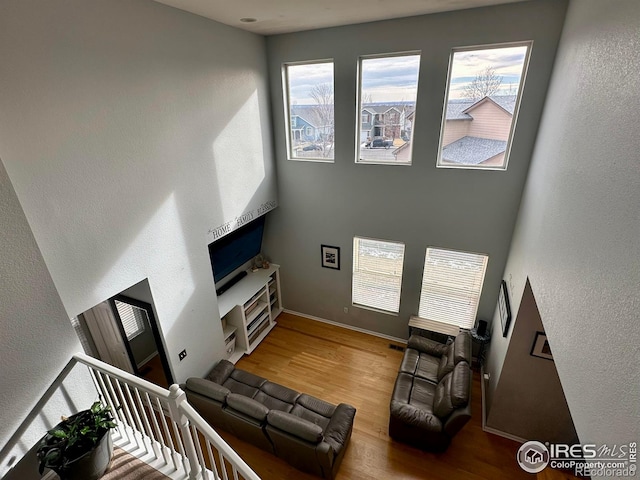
(236, 248)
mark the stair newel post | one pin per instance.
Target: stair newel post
(176, 397)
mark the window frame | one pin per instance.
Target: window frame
(516, 111)
(287, 109)
(355, 262)
(479, 292)
(359, 97)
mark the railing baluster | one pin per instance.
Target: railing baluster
(157, 437)
(212, 459)
(144, 415)
(223, 466)
(196, 441)
(167, 434)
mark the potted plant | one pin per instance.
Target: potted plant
(80, 446)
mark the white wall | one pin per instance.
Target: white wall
(129, 129)
(37, 340)
(420, 205)
(578, 231)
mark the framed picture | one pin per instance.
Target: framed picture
(330, 257)
(504, 308)
(541, 346)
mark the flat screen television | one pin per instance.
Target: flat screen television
(235, 249)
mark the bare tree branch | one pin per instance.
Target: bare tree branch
(485, 84)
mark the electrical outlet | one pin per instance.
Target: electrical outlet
(182, 355)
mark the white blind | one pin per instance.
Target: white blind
(377, 273)
(133, 318)
(451, 286)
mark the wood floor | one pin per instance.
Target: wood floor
(340, 365)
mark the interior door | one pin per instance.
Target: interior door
(106, 335)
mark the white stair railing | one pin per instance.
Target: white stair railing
(163, 424)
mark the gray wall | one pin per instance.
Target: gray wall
(129, 130)
(578, 227)
(419, 205)
(37, 340)
(529, 402)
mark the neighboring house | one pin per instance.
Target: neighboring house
(476, 132)
(306, 126)
(382, 120)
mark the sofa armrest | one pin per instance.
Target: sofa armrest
(426, 345)
(248, 406)
(457, 420)
(207, 388)
(410, 415)
(295, 426)
(340, 425)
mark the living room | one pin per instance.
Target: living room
(130, 131)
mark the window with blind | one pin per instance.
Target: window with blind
(451, 286)
(377, 274)
(133, 318)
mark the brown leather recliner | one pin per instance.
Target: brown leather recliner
(431, 399)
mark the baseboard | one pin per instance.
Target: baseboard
(348, 327)
(147, 360)
(485, 427)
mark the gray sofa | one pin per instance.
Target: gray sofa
(308, 433)
(431, 399)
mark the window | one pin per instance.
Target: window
(451, 286)
(309, 108)
(483, 96)
(133, 318)
(377, 274)
(387, 103)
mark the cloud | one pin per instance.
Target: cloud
(390, 79)
(302, 78)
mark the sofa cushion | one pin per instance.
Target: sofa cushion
(208, 389)
(410, 415)
(244, 383)
(248, 406)
(453, 391)
(277, 397)
(295, 425)
(422, 394)
(314, 410)
(410, 361)
(426, 345)
(221, 372)
(446, 364)
(428, 367)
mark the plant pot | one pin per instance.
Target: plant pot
(93, 464)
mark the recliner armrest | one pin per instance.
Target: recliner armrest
(295, 425)
(416, 417)
(207, 388)
(340, 425)
(426, 345)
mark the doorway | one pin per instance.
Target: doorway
(123, 332)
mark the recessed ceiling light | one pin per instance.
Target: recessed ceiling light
(248, 20)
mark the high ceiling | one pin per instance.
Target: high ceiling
(284, 16)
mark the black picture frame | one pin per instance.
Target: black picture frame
(330, 256)
(504, 308)
(541, 347)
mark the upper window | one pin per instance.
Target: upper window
(377, 274)
(451, 286)
(309, 110)
(483, 96)
(387, 103)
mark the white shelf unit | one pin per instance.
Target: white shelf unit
(251, 307)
